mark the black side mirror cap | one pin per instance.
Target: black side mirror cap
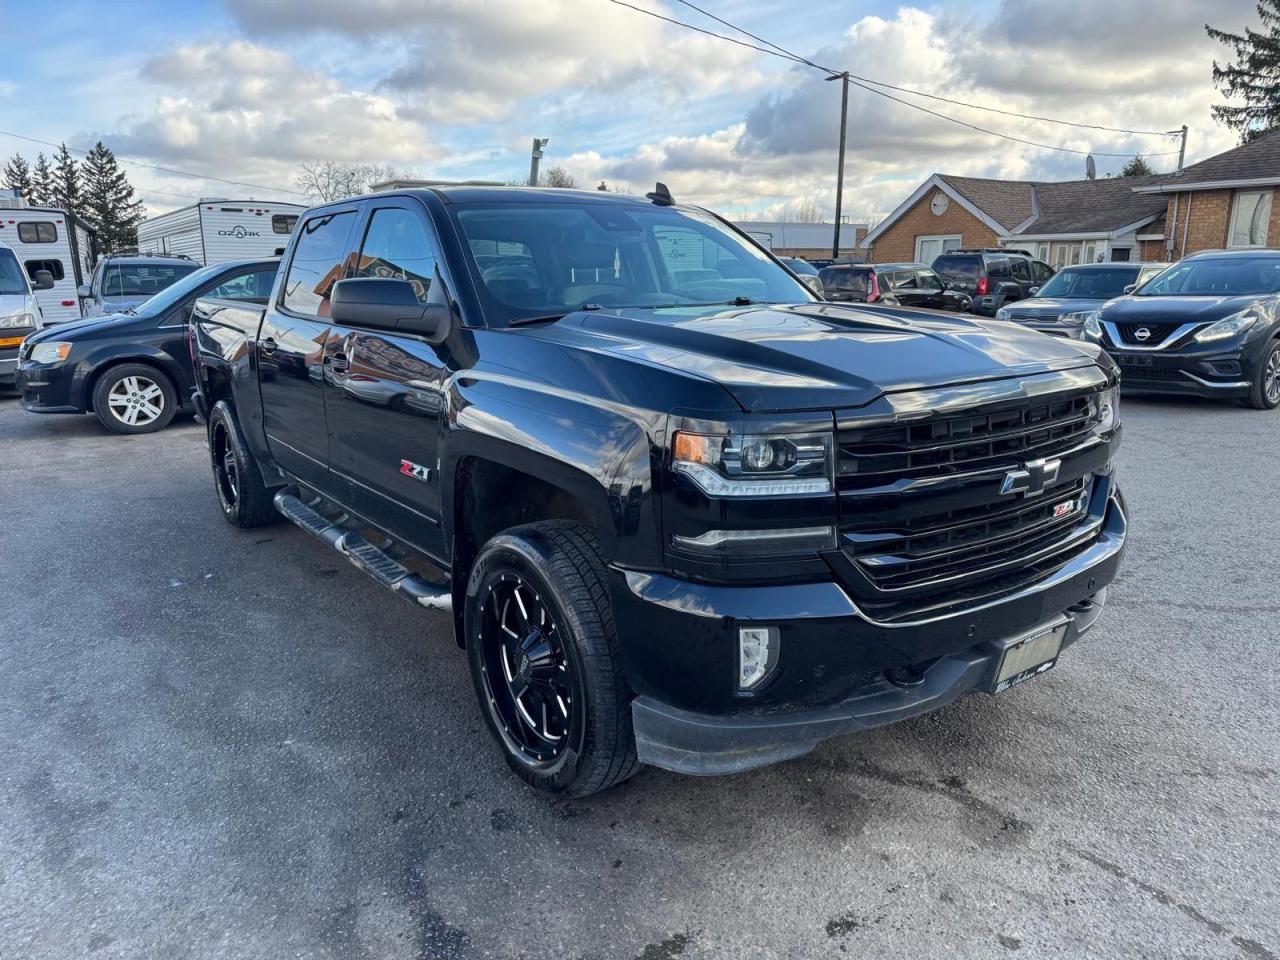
(43, 280)
(391, 304)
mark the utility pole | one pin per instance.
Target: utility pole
(1182, 149)
(844, 122)
(534, 157)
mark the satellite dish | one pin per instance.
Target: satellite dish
(1090, 168)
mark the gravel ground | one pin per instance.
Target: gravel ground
(216, 743)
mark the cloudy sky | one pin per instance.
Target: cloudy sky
(248, 89)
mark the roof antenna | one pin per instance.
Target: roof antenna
(660, 195)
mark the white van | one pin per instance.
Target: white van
(218, 231)
(19, 310)
(52, 240)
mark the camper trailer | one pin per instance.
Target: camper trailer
(217, 231)
(46, 238)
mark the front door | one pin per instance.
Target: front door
(291, 349)
(385, 392)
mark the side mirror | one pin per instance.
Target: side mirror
(1130, 287)
(43, 280)
(84, 291)
(812, 282)
(391, 304)
(1033, 291)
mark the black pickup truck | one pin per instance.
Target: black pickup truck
(681, 511)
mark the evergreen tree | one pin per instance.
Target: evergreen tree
(66, 182)
(108, 200)
(1254, 77)
(41, 182)
(1137, 167)
(17, 175)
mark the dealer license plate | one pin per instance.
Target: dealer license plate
(1030, 655)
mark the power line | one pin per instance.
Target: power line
(153, 166)
(785, 54)
(921, 93)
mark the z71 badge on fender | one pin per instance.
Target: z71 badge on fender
(415, 470)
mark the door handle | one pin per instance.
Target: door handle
(338, 361)
(267, 346)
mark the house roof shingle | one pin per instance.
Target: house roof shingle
(1072, 206)
(1250, 161)
(1008, 202)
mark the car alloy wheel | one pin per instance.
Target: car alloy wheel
(526, 673)
(1271, 378)
(225, 471)
(136, 401)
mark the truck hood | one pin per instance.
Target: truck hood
(818, 355)
(1131, 309)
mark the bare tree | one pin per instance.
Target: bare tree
(557, 177)
(334, 179)
(807, 212)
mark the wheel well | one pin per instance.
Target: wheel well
(489, 498)
(216, 386)
(92, 385)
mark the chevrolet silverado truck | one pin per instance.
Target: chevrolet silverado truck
(680, 511)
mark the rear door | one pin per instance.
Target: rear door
(905, 288)
(291, 347)
(384, 392)
(931, 291)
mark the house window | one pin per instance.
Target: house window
(1250, 215)
(37, 233)
(1042, 251)
(929, 249)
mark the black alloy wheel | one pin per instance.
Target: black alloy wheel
(225, 470)
(1265, 392)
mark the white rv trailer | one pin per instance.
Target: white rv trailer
(216, 231)
(46, 238)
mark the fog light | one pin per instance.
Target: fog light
(757, 655)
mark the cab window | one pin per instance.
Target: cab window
(397, 245)
(318, 263)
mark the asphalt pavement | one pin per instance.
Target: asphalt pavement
(230, 744)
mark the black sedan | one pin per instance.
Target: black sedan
(905, 284)
(1208, 326)
(132, 370)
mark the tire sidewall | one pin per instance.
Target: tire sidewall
(526, 558)
(116, 373)
(1259, 399)
(219, 420)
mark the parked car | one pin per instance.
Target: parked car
(1209, 325)
(806, 271)
(131, 370)
(906, 284)
(1061, 306)
(698, 522)
(992, 277)
(121, 282)
(20, 314)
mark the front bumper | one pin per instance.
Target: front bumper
(829, 645)
(1204, 372)
(49, 388)
(8, 367)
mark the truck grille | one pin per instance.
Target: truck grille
(1042, 316)
(924, 523)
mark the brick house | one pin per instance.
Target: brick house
(1224, 201)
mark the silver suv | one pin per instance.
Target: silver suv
(120, 283)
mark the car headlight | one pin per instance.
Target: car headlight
(755, 466)
(18, 320)
(1092, 326)
(1227, 327)
(1078, 318)
(1108, 410)
(51, 352)
(1002, 313)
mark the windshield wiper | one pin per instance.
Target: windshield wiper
(549, 317)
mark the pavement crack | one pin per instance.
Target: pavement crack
(1249, 947)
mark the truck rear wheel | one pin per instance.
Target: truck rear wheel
(545, 659)
(244, 498)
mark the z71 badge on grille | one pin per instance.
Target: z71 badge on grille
(415, 470)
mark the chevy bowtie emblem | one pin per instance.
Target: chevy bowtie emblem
(1034, 476)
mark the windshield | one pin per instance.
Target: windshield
(958, 268)
(540, 259)
(1089, 283)
(177, 291)
(141, 279)
(1216, 277)
(12, 282)
(844, 280)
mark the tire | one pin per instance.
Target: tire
(569, 732)
(133, 398)
(1265, 393)
(245, 500)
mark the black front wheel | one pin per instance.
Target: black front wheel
(245, 500)
(1265, 394)
(545, 660)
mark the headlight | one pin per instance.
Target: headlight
(1108, 410)
(1092, 327)
(1227, 327)
(755, 466)
(1002, 313)
(51, 352)
(18, 320)
(1078, 317)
